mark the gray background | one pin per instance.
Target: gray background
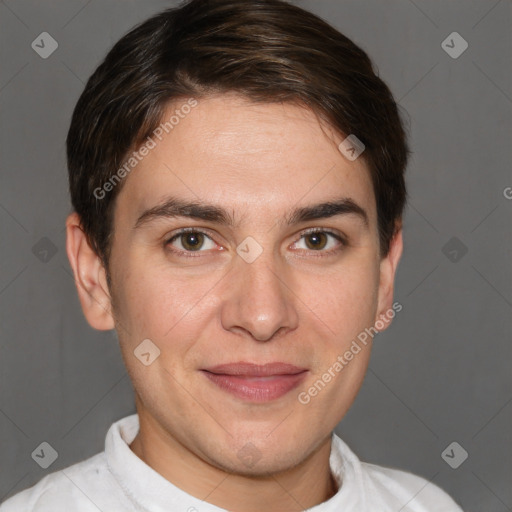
(440, 374)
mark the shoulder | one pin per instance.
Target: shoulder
(87, 484)
(403, 489)
(382, 488)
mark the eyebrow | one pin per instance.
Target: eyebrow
(173, 207)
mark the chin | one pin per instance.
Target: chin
(257, 455)
(259, 465)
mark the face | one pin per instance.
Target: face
(260, 276)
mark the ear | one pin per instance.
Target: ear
(90, 276)
(388, 266)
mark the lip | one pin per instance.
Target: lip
(256, 383)
(242, 368)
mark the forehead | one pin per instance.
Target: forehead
(242, 155)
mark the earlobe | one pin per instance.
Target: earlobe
(388, 267)
(90, 277)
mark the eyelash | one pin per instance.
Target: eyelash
(321, 253)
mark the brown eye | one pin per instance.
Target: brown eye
(316, 240)
(192, 241)
(321, 241)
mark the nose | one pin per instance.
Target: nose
(258, 301)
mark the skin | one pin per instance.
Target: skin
(258, 161)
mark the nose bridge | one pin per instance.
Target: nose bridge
(259, 301)
(262, 276)
(258, 263)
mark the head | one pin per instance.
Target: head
(229, 119)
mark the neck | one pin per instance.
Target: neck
(301, 487)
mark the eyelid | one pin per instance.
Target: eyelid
(336, 234)
(340, 237)
(177, 234)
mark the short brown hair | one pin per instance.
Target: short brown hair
(266, 50)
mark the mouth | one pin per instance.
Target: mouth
(256, 383)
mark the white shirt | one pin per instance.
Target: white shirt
(117, 480)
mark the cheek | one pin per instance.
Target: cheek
(345, 301)
(155, 302)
